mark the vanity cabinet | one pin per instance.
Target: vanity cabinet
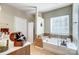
(23, 51)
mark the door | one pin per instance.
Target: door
(30, 31)
(20, 25)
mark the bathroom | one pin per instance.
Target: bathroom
(57, 30)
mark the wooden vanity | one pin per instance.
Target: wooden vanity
(22, 51)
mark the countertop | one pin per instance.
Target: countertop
(14, 49)
(56, 41)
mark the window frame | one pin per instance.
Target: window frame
(61, 17)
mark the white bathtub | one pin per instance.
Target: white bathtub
(56, 43)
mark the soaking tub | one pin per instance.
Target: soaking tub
(54, 45)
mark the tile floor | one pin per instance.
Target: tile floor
(40, 51)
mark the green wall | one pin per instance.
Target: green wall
(57, 12)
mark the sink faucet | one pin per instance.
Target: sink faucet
(63, 43)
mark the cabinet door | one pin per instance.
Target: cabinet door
(27, 50)
(22, 51)
(18, 52)
(13, 53)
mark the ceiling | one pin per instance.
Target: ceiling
(42, 7)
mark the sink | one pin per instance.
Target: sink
(3, 49)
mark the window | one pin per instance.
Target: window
(60, 25)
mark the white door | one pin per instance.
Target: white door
(20, 25)
(30, 31)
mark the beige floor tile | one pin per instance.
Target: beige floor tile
(39, 51)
